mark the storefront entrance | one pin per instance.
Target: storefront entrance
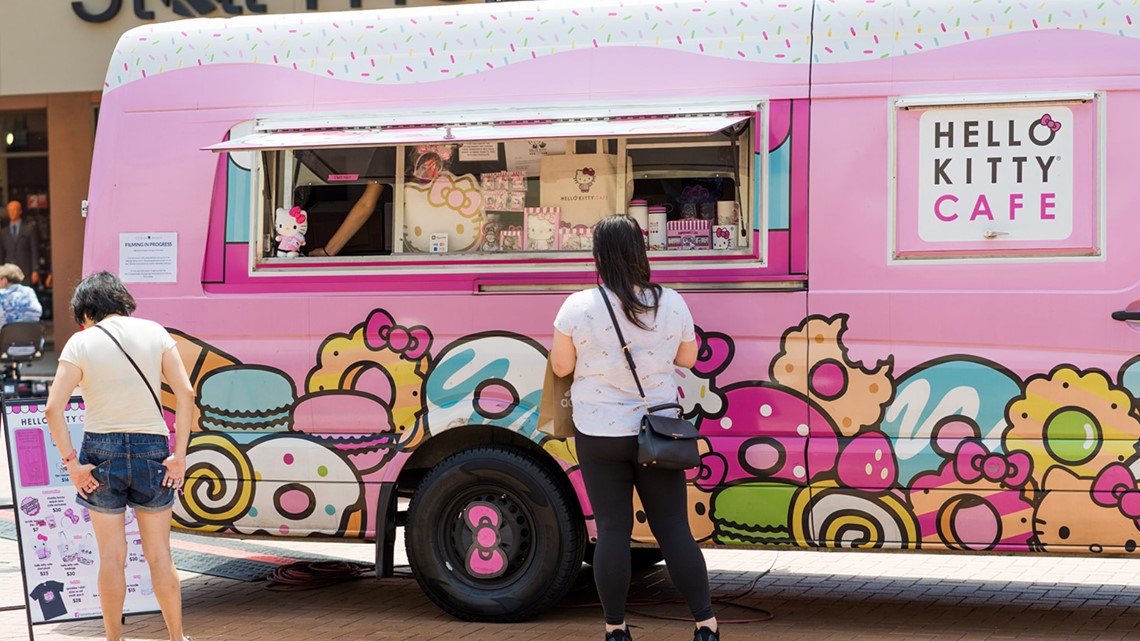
(24, 178)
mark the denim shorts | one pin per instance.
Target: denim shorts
(129, 469)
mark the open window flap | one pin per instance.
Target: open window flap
(599, 128)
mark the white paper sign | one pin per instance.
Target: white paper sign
(473, 151)
(57, 542)
(148, 258)
(524, 155)
(1005, 174)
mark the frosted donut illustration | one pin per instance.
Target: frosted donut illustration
(853, 396)
(959, 397)
(302, 487)
(1074, 419)
(494, 378)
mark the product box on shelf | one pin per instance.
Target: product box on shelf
(687, 234)
(723, 236)
(542, 225)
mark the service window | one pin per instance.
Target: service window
(461, 194)
(996, 177)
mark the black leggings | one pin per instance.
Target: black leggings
(610, 471)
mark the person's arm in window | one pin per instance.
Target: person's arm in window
(357, 216)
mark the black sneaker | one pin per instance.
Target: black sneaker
(706, 634)
(619, 635)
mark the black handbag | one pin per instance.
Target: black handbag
(667, 442)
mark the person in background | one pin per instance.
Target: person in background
(357, 216)
(607, 416)
(120, 363)
(18, 303)
(20, 242)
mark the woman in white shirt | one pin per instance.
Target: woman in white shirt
(126, 458)
(607, 414)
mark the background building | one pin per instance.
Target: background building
(53, 59)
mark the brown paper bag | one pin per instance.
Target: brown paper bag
(555, 412)
(583, 186)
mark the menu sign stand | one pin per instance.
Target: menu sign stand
(58, 556)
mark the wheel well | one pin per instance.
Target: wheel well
(448, 442)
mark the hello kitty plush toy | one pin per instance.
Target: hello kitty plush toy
(291, 225)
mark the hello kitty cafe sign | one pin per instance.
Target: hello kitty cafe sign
(996, 178)
(1001, 171)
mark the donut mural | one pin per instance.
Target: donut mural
(956, 453)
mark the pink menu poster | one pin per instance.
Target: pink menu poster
(59, 558)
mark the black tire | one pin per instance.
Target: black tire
(639, 558)
(542, 535)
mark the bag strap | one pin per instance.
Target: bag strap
(135, 365)
(624, 347)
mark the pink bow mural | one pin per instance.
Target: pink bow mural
(381, 331)
(973, 462)
(1116, 487)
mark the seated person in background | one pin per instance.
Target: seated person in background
(17, 302)
(357, 216)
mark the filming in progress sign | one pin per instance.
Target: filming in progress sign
(148, 257)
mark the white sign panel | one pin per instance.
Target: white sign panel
(1003, 174)
(148, 258)
(57, 542)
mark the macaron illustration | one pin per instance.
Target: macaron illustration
(246, 398)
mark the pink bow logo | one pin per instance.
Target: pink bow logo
(1050, 123)
(485, 557)
(298, 214)
(1115, 487)
(974, 462)
(381, 332)
(721, 232)
(444, 192)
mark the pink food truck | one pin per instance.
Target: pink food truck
(897, 225)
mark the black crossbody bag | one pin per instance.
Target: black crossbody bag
(666, 442)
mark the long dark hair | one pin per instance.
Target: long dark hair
(623, 266)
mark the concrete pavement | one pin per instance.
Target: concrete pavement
(813, 596)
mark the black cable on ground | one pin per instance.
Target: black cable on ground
(309, 575)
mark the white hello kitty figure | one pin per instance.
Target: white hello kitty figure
(291, 225)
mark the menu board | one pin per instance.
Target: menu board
(58, 555)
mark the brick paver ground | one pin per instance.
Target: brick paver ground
(812, 597)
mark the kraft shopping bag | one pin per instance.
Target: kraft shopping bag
(583, 186)
(555, 411)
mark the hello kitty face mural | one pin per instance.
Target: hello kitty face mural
(449, 204)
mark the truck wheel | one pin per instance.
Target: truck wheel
(493, 535)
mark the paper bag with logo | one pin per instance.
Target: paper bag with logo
(555, 412)
(584, 186)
